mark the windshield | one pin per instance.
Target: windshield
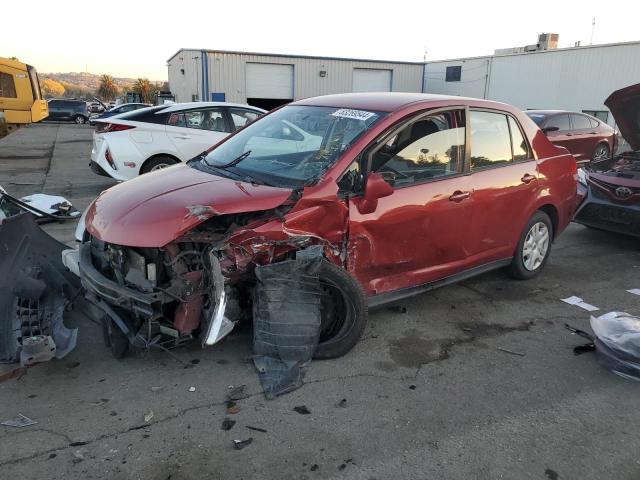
(292, 146)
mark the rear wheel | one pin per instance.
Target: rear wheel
(343, 312)
(600, 153)
(79, 119)
(158, 163)
(533, 248)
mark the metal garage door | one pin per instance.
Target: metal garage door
(269, 80)
(371, 80)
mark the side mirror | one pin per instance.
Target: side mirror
(546, 130)
(375, 188)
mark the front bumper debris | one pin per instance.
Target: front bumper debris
(35, 289)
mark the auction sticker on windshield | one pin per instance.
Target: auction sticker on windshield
(354, 114)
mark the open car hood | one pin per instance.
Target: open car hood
(625, 107)
(154, 209)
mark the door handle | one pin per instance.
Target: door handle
(527, 178)
(459, 195)
(569, 134)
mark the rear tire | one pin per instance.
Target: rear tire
(157, 163)
(343, 310)
(79, 119)
(534, 247)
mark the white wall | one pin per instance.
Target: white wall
(566, 79)
(183, 86)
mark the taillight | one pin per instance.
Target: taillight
(102, 127)
(109, 159)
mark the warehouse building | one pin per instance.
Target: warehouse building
(541, 76)
(269, 80)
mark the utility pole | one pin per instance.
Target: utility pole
(593, 27)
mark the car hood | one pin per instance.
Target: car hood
(625, 107)
(154, 209)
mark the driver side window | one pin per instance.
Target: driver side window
(430, 148)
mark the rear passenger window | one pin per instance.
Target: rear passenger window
(210, 119)
(518, 143)
(7, 86)
(490, 140)
(580, 122)
(431, 148)
(559, 121)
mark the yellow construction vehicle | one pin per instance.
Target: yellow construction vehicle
(20, 96)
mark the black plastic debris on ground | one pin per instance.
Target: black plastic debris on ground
(302, 410)
(35, 288)
(240, 444)
(227, 424)
(286, 322)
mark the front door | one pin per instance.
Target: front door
(417, 234)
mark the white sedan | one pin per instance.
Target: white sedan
(133, 143)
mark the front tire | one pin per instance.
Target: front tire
(343, 312)
(157, 163)
(79, 120)
(534, 247)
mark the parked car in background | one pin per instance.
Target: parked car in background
(67, 109)
(610, 189)
(96, 107)
(403, 193)
(124, 108)
(132, 143)
(586, 137)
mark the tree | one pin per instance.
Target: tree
(146, 90)
(51, 88)
(108, 89)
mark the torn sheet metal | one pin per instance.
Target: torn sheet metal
(35, 288)
(618, 343)
(286, 322)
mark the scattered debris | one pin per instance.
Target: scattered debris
(635, 291)
(314, 467)
(45, 207)
(236, 393)
(227, 424)
(240, 444)
(16, 373)
(578, 302)
(617, 342)
(19, 421)
(302, 410)
(52, 455)
(192, 389)
(286, 320)
(195, 361)
(233, 410)
(511, 352)
(398, 308)
(77, 444)
(148, 416)
(412, 387)
(257, 429)
(342, 403)
(342, 466)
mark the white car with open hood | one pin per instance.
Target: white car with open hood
(133, 143)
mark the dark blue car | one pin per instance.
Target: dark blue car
(125, 107)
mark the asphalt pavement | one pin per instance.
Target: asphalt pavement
(475, 380)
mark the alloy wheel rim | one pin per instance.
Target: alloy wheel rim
(79, 120)
(536, 245)
(159, 167)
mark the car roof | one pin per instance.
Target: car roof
(174, 107)
(552, 112)
(388, 101)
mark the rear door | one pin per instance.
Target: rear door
(55, 109)
(584, 137)
(417, 234)
(194, 131)
(504, 178)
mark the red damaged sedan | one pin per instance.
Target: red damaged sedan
(397, 193)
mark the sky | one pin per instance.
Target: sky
(138, 36)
